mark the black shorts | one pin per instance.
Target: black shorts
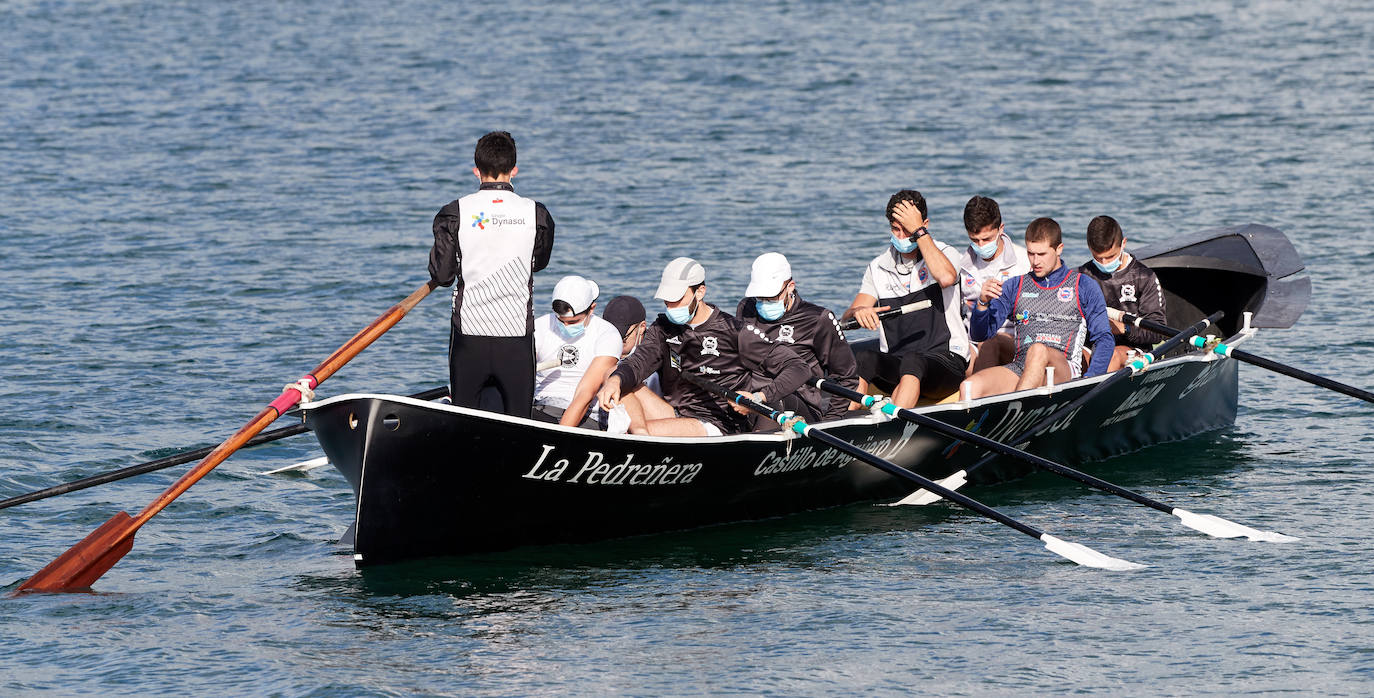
(939, 372)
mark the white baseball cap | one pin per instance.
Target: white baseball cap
(680, 274)
(768, 275)
(577, 292)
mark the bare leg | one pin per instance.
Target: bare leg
(676, 426)
(1038, 356)
(908, 392)
(863, 388)
(1118, 359)
(653, 406)
(998, 350)
(635, 409)
(992, 381)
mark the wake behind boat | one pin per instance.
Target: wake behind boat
(433, 479)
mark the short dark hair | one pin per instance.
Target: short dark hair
(1045, 230)
(495, 154)
(906, 195)
(561, 307)
(1104, 233)
(981, 212)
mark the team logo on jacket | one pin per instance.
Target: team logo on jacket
(1065, 294)
(923, 274)
(708, 346)
(1127, 293)
(479, 221)
(969, 281)
(785, 334)
(567, 356)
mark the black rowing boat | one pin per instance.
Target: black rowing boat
(433, 479)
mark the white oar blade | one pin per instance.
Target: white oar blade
(1218, 527)
(922, 497)
(302, 466)
(1086, 556)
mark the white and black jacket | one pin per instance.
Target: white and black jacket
(488, 244)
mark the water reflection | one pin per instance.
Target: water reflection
(797, 541)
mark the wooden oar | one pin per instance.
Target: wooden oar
(85, 562)
(1137, 365)
(1078, 553)
(853, 324)
(1214, 526)
(169, 461)
(1247, 357)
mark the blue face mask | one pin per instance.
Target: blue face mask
(903, 245)
(682, 314)
(572, 331)
(1109, 268)
(985, 251)
(770, 310)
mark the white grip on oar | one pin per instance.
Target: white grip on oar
(913, 307)
(1086, 556)
(547, 365)
(922, 497)
(1218, 527)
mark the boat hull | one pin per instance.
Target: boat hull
(433, 479)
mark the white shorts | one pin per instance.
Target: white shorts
(711, 429)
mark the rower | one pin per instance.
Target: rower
(693, 335)
(989, 260)
(773, 305)
(923, 353)
(488, 245)
(1053, 307)
(627, 314)
(1128, 286)
(585, 348)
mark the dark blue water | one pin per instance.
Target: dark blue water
(199, 201)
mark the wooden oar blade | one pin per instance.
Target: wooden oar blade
(1218, 527)
(79, 567)
(1086, 556)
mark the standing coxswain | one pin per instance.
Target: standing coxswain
(488, 244)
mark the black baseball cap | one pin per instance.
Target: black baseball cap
(624, 312)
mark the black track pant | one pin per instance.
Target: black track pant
(503, 363)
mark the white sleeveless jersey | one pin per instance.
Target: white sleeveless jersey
(556, 386)
(496, 244)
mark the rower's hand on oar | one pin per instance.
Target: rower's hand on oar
(756, 397)
(609, 396)
(868, 317)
